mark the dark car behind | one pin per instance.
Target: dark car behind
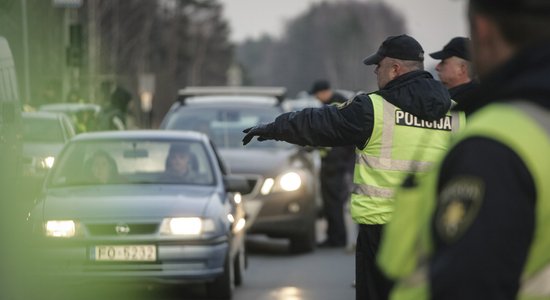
(283, 193)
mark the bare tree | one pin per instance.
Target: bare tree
(182, 42)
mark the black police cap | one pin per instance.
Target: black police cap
(458, 46)
(515, 6)
(319, 85)
(401, 47)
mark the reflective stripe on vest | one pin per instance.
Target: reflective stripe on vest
(400, 144)
(525, 128)
(536, 280)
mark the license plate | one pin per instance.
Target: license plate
(126, 253)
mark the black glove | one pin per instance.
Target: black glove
(263, 133)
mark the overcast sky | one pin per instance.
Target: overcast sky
(432, 22)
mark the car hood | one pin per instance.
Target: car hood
(41, 149)
(265, 162)
(126, 201)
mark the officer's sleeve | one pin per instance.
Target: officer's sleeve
(484, 222)
(349, 123)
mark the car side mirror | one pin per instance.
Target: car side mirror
(308, 149)
(236, 184)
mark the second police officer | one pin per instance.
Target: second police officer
(455, 68)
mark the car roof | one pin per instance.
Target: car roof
(142, 134)
(194, 91)
(70, 107)
(232, 100)
(42, 115)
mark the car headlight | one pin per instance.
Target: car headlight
(267, 186)
(47, 162)
(187, 226)
(61, 229)
(287, 182)
(290, 181)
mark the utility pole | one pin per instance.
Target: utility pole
(92, 50)
(26, 51)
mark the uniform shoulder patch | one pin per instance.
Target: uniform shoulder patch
(458, 205)
(344, 104)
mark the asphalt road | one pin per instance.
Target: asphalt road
(274, 274)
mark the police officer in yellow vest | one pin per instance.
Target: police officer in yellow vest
(479, 226)
(398, 130)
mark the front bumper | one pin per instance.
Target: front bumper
(175, 263)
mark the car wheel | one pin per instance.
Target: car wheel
(305, 242)
(223, 286)
(240, 266)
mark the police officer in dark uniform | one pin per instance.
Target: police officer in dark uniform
(336, 172)
(370, 123)
(455, 69)
(491, 228)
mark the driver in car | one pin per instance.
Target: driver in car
(179, 165)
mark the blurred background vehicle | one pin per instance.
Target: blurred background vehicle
(281, 201)
(305, 100)
(44, 135)
(84, 116)
(10, 118)
(113, 208)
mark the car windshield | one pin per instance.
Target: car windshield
(36, 130)
(224, 125)
(133, 162)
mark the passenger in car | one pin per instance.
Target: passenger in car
(102, 167)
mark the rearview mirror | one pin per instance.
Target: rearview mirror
(236, 184)
(136, 153)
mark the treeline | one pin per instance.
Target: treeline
(329, 41)
(181, 42)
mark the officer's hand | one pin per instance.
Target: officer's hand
(261, 131)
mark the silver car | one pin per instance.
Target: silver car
(147, 205)
(44, 135)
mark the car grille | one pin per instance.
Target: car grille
(109, 229)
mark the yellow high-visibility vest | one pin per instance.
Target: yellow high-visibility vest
(401, 144)
(407, 244)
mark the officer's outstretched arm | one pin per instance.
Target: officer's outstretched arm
(347, 124)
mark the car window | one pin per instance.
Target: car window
(224, 125)
(42, 131)
(133, 162)
(69, 129)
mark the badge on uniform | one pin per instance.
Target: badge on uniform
(458, 205)
(344, 104)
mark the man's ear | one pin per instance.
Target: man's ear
(397, 69)
(463, 69)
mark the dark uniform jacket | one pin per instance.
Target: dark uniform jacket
(464, 91)
(487, 260)
(352, 122)
(338, 160)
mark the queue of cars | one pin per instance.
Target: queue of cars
(162, 205)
